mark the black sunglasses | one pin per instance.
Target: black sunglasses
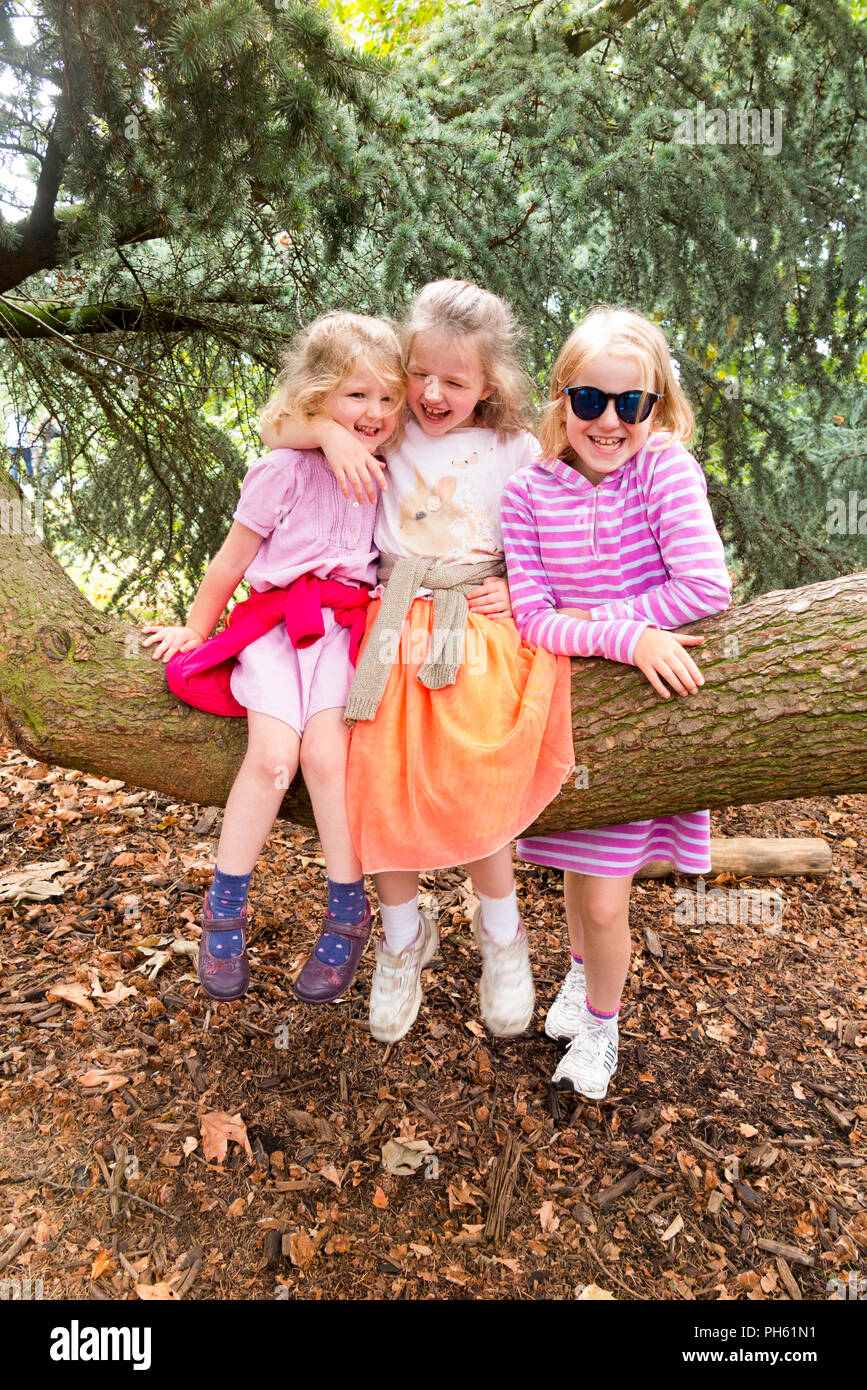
(588, 403)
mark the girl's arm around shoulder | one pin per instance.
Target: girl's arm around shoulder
(358, 473)
(534, 603)
(290, 432)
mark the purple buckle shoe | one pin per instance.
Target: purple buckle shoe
(222, 977)
(320, 981)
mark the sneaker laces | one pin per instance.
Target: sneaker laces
(570, 996)
(591, 1044)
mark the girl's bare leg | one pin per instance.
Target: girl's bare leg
(603, 908)
(269, 765)
(324, 755)
(571, 882)
(396, 887)
(495, 875)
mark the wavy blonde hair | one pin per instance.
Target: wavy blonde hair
(325, 354)
(465, 313)
(623, 333)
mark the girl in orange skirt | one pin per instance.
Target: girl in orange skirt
(462, 732)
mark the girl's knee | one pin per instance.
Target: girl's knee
(273, 760)
(323, 758)
(277, 768)
(600, 913)
(603, 920)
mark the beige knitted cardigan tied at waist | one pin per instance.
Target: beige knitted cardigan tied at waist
(403, 576)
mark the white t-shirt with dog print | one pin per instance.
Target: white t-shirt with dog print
(444, 493)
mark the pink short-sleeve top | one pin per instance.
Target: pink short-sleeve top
(291, 499)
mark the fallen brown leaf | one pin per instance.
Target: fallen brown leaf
(217, 1128)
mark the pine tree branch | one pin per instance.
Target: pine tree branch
(49, 321)
(31, 253)
(19, 149)
(605, 17)
(41, 224)
(17, 323)
(516, 231)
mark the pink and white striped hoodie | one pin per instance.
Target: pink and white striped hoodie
(639, 549)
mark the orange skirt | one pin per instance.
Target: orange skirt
(445, 777)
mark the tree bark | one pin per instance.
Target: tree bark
(53, 320)
(783, 713)
(56, 243)
(607, 17)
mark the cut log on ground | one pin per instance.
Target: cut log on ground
(783, 712)
(748, 857)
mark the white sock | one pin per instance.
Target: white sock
(400, 925)
(500, 920)
(609, 1023)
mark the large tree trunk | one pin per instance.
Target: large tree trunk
(783, 713)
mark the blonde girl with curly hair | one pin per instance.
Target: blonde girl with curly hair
(286, 658)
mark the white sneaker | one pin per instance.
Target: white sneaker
(395, 991)
(506, 992)
(564, 1015)
(590, 1061)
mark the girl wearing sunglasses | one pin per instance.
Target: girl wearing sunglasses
(610, 544)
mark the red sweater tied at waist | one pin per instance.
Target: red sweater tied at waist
(201, 678)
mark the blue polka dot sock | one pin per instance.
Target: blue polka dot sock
(346, 903)
(226, 899)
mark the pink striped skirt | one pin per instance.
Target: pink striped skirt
(617, 851)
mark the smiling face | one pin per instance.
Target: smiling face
(445, 383)
(602, 446)
(362, 404)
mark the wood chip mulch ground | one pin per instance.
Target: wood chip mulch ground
(155, 1145)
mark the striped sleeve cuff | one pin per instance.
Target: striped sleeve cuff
(614, 639)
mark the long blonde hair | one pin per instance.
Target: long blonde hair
(458, 310)
(325, 354)
(623, 333)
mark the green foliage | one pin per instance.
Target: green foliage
(278, 169)
(384, 27)
(206, 153)
(563, 143)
